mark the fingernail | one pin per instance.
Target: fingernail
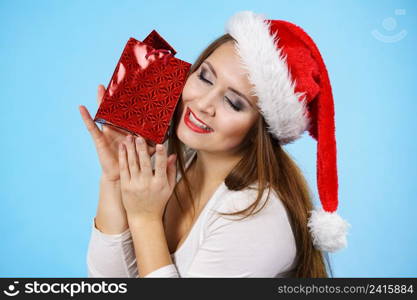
(159, 147)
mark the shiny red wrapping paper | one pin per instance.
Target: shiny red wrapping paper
(145, 88)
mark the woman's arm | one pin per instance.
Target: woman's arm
(110, 250)
(111, 220)
(111, 215)
(151, 248)
(111, 255)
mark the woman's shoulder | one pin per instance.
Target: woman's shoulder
(270, 215)
(269, 212)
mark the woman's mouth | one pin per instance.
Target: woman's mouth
(194, 123)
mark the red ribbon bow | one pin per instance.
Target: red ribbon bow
(157, 51)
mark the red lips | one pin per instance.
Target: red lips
(192, 125)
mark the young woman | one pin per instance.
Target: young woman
(239, 206)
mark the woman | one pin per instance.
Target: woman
(239, 207)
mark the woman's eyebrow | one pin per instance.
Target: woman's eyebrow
(232, 89)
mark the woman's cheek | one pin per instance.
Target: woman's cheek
(231, 127)
(194, 88)
(240, 125)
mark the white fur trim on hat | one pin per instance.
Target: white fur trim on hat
(269, 73)
(328, 230)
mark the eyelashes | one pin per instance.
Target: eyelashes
(202, 77)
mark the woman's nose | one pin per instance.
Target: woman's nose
(207, 103)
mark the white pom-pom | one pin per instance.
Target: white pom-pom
(328, 230)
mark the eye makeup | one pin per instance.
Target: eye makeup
(237, 105)
(202, 76)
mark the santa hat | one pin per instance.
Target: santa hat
(294, 95)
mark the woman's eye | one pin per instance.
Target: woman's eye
(237, 107)
(202, 77)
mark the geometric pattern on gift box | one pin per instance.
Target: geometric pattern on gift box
(144, 89)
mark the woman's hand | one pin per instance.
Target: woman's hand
(106, 141)
(144, 193)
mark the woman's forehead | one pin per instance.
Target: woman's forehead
(226, 59)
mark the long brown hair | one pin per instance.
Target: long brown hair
(265, 162)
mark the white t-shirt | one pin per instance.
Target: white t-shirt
(262, 245)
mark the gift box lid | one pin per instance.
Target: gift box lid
(157, 42)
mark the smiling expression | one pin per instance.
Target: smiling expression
(218, 95)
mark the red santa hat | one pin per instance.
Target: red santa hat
(294, 95)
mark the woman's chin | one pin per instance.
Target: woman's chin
(192, 139)
(191, 142)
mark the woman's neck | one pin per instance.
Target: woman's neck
(210, 169)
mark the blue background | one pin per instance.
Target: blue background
(55, 53)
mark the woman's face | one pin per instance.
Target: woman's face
(218, 94)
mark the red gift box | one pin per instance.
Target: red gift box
(145, 88)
